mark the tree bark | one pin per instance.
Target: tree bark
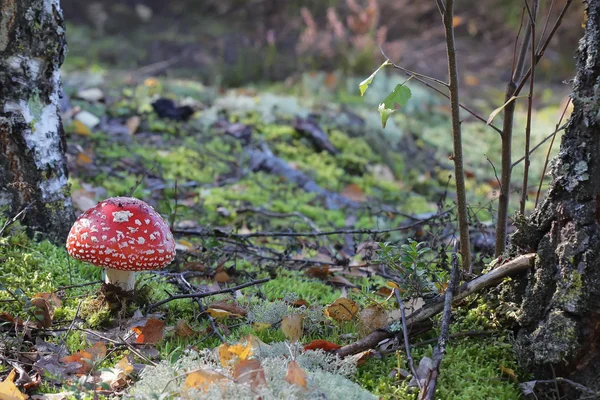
(32, 142)
(558, 303)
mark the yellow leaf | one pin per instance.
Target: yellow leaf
(342, 310)
(83, 159)
(260, 326)
(295, 375)
(456, 21)
(81, 129)
(202, 379)
(292, 327)
(125, 366)
(510, 372)
(8, 390)
(151, 82)
(220, 314)
(227, 353)
(392, 284)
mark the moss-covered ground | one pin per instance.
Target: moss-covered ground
(196, 174)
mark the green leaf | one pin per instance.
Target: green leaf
(364, 85)
(398, 98)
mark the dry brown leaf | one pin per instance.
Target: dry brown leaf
(125, 366)
(222, 277)
(229, 305)
(321, 272)
(457, 20)
(202, 379)
(362, 357)
(250, 371)
(133, 123)
(8, 389)
(372, 318)
(354, 192)
(151, 333)
(291, 326)
(182, 329)
(340, 280)
(321, 344)
(42, 312)
(295, 375)
(86, 358)
(342, 310)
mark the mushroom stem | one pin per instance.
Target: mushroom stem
(123, 279)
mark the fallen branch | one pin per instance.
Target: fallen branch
(221, 233)
(201, 295)
(519, 264)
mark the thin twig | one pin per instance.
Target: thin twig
(205, 294)
(411, 363)
(217, 233)
(590, 392)
(537, 196)
(440, 349)
(71, 326)
(78, 285)
(14, 219)
(537, 146)
(422, 81)
(188, 287)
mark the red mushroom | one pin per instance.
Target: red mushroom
(124, 235)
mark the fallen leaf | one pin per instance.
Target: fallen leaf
(81, 129)
(362, 357)
(318, 272)
(125, 366)
(250, 371)
(133, 123)
(227, 353)
(340, 280)
(510, 372)
(222, 277)
(354, 192)
(260, 326)
(221, 314)
(151, 333)
(321, 344)
(300, 303)
(202, 379)
(229, 305)
(342, 310)
(86, 358)
(295, 375)
(372, 318)
(471, 80)
(42, 312)
(457, 20)
(8, 389)
(182, 329)
(291, 325)
(83, 159)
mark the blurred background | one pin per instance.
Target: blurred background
(238, 42)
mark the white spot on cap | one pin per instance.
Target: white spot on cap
(138, 222)
(122, 216)
(141, 240)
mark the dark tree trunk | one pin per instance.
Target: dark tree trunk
(559, 304)
(32, 149)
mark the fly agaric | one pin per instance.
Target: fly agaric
(124, 235)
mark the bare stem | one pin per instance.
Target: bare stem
(461, 196)
(532, 17)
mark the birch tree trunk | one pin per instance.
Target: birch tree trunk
(32, 142)
(558, 303)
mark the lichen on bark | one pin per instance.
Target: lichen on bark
(32, 161)
(558, 317)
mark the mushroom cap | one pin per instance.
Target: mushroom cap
(122, 233)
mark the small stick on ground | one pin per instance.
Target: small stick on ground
(440, 349)
(184, 284)
(411, 363)
(205, 294)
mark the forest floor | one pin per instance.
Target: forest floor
(294, 189)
